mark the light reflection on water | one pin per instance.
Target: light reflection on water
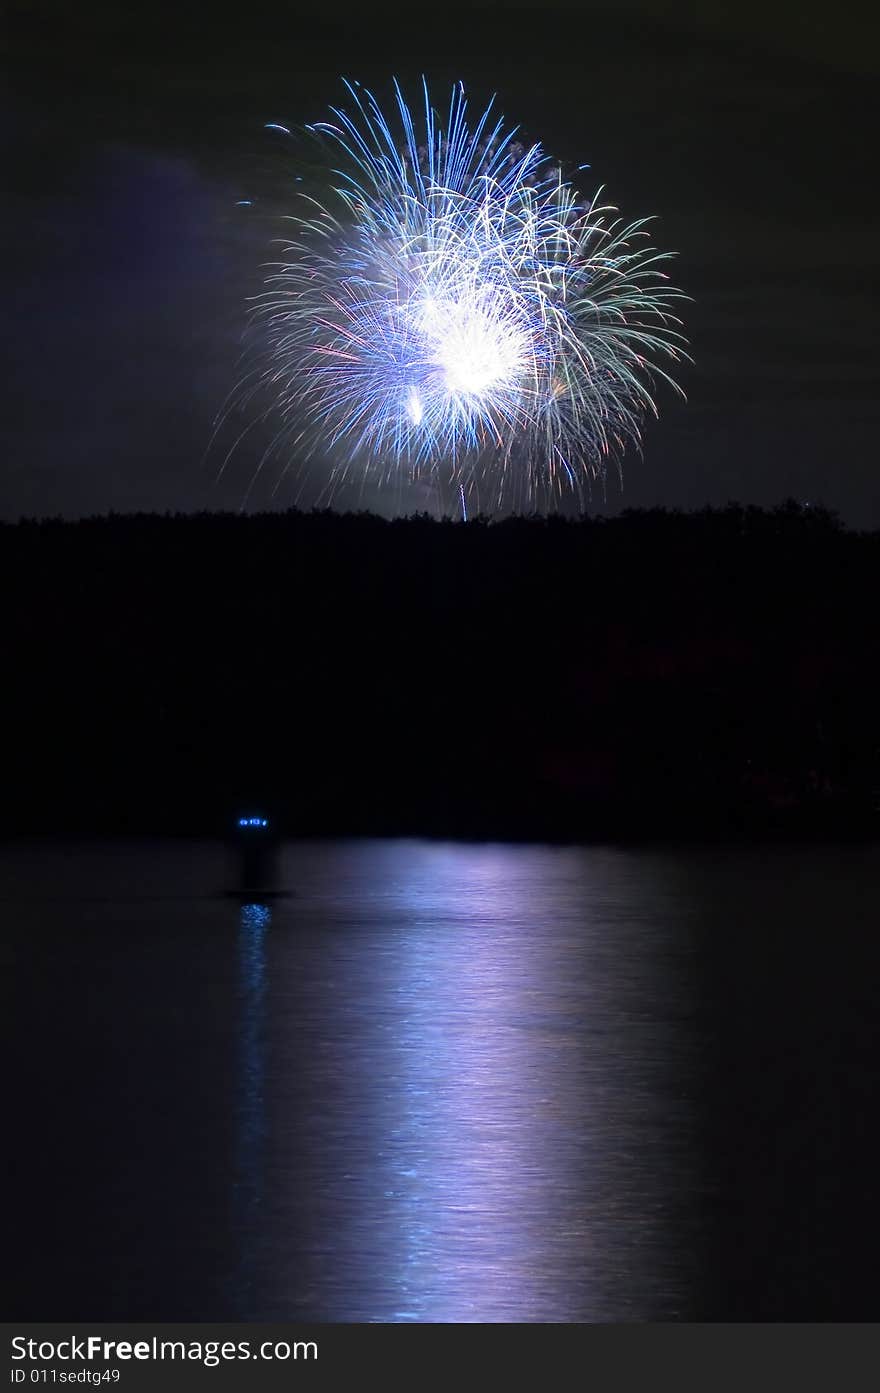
(477, 1097)
(495, 1092)
(250, 1121)
(442, 1083)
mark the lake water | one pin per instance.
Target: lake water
(442, 1083)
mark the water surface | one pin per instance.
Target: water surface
(443, 1083)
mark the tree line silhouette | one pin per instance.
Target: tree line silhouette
(653, 674)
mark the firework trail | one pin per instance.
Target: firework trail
(452, 308)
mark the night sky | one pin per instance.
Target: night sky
(130, 136)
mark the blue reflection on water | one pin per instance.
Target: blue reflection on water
(250, 1122)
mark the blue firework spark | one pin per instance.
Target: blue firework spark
(452, 304)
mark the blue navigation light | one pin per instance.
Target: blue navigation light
(253, 822)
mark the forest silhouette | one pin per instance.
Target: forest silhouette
(654, 674)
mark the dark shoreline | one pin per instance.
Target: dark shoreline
(797, 832)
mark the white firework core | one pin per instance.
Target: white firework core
(477, 351)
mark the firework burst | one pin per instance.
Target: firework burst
(454, 307)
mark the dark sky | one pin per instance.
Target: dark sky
(130, 134)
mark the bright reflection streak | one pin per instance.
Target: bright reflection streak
(490, 1080)
(485, 1189)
